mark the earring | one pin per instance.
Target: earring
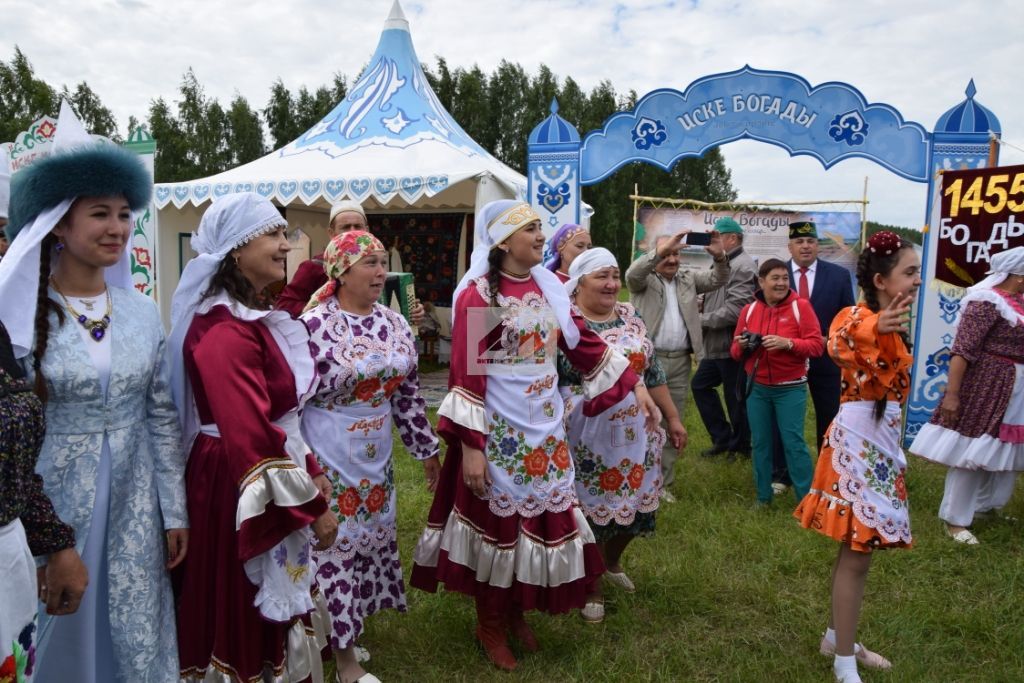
(59, 247)
(341, 283)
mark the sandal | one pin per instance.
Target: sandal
(963, 536)
(864, 656)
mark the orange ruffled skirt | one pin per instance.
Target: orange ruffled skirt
(858, 493)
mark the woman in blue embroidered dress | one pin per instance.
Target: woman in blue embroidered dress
(111, 461)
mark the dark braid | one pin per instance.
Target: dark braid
(494, 261)
(44, 304)
(230, 279)
(870, 264)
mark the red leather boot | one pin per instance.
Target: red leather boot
(490, 631)
(521, 631)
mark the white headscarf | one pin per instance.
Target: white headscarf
(231, 222)
(496, 222)
(5, 183)
(19, 269)
(590, 261)
(1002, 265)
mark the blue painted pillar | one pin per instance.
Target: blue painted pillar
(553, 171)
(960, 141)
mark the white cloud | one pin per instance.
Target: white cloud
(916, 55)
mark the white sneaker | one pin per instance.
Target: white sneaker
(667, 496)
(778, 488)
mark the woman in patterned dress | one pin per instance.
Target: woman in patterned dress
(366, 359)
(977, 429)
(502, 527)
(858, 495)
(618, 462)
(568, 242)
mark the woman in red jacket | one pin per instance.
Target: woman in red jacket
(775, 336)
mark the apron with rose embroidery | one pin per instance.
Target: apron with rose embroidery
(351, 437)
(528, 458)
(618, 464)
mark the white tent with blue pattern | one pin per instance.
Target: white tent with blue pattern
(389, 145)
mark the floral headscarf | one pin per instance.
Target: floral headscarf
(343, 252)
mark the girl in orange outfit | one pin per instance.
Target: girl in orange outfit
(858, 495)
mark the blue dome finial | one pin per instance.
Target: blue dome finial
(554, 105)
(969, 116)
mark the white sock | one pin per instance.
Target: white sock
(845, 668)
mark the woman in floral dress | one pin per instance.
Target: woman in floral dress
(366, 358)
(858, 495)
(503, 528)
(618, 462)
(978, 427)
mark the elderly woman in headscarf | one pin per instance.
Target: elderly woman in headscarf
(618, 461)
(111, 460)
(977, 429)
(503, 527)
(366, 357)
(239, 375)
(568, 242)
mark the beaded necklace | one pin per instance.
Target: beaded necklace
(97, 328)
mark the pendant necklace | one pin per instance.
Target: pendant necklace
(97, 328)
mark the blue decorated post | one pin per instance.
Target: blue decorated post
(960, 141)
(553, 171)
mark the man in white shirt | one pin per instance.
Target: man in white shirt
(665, 296)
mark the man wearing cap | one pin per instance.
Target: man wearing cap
(830, 290)
(718, 321)
(310, 275)
(665, 296)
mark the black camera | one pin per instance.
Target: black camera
(751, 341)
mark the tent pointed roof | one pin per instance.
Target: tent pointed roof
(389, 138)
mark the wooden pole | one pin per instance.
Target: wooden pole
(993, 149)
(864, 216)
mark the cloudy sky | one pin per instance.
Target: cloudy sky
(916, 55)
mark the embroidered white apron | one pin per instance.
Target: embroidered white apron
(353, 443)
(871, 467)
(618, 464)
(17, 598)
(528, 458)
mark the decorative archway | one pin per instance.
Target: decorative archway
(831, 122)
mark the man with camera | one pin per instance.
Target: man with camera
(728, 429)
(665, 296)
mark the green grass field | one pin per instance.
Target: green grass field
(726, 593)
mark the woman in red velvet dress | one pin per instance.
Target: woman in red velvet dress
(503, 527)
(238, 376)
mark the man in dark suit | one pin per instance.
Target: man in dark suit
(830, 289)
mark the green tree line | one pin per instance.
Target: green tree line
(197, 136)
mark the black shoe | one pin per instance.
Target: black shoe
(713, 451)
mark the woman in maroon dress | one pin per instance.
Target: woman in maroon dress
(238, 376)
(503, 527)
